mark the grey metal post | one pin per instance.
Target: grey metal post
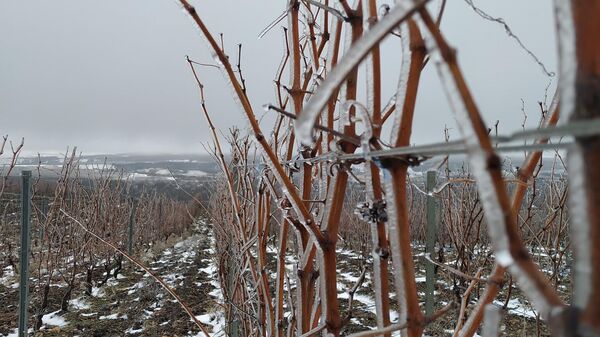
(24, 253)
(131, 227)
(431, 233)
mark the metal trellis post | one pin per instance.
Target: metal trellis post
(24, 253)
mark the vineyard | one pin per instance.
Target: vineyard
(331, 221)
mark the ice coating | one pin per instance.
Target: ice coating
(490, 192)
(344, 111)
(317, 77)
(504, 258)
(577, 199)
(281, 67)
(391, 102)
(580, 231)
(492, 320)
(325, 145)
(395, 246)
(369, 62)
(375, 253)
(400, 94)
(304, 124)
(369, 183)
(477, 158)
(425, 193)
(566, 54)
(314, 64)
(363, 116)
(365, 138)
(294, 50)
(538, 300)
(274, 23)
(378, 291)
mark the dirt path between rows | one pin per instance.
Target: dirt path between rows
(134, 304)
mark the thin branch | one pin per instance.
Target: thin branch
(512, 35)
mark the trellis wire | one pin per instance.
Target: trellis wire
(572, 129)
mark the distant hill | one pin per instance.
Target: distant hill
(138, 166)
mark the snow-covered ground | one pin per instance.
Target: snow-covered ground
(133, 304)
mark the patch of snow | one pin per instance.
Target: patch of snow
(209, 270)
(80, 304)
(54, 319)
(8, 276)
(135, 287)
(111, 316)
(368, 301)
(14, 333)
(136, 176)
(170, 279)
(195, 173)
(515, 307)
(98, 292)
(163, 172)
(216, 321)
(132, 330)
(348, 277)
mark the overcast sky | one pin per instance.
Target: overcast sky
(110, 76)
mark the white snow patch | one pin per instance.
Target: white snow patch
(98, 292)
(80, 304)
(209, 270)
(348, 277)
(8, 276)
(135, 287)
(195, 173)
(132, 330)
(54, 319)
(216, 321)
(111, 316)
(515, 307)
(163, 172)
(136, 176)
